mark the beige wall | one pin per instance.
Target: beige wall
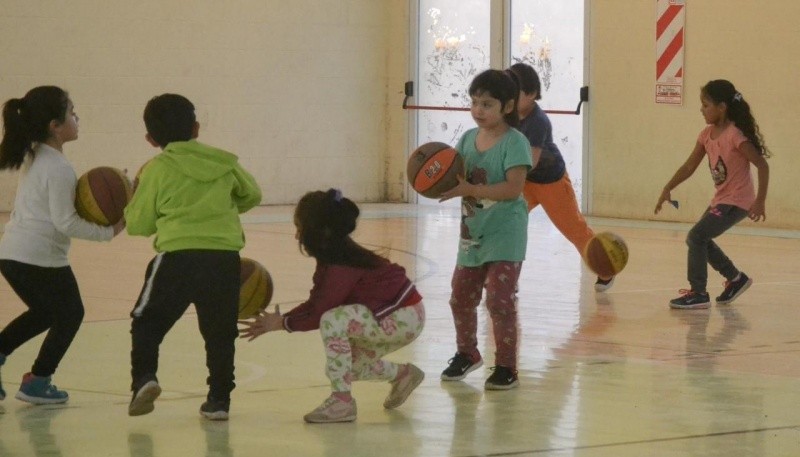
(637, 145)
(298, 89)
(308, 92)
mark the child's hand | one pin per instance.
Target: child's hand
(757, 211)
(263, 323)
(664, 197)
(462, 189)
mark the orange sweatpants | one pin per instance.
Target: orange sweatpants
(559, 202)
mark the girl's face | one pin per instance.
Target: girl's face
(297, 228)
(487, 111)
(67, 130)
(526, 103)
(713, 113)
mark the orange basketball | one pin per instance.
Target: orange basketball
(101, 195)
(255, 288)
(606, 254)
(433, 167)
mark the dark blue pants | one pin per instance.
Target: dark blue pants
(54, 306)
(703, 251)
(173, 281)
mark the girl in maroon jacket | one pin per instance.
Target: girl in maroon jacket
(364, 306)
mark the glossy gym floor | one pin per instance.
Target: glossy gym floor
(602, 374)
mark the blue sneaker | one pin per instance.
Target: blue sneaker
(2, 392)
(39, 391)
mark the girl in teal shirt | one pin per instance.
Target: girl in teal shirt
(494, 220)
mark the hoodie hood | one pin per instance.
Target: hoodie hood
(197, 161)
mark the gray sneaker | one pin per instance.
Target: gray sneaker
(143, 399)
(402, 387)
(333, 410)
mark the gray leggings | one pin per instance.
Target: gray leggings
(715, 221)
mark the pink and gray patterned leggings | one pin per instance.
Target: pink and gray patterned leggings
(500, 279)
(355, 342)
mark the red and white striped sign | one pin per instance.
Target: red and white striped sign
(670, 21)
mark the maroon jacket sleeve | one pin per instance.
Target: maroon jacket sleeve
(332, 285)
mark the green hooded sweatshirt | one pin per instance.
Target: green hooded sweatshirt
(190, 196)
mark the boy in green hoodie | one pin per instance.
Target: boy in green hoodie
(189, 196)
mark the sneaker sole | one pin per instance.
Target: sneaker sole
(142, 403)
(705, 305)
(215, 416)
(400, 400)
(603, 287)
(39, 400)
(459, 378)
(741, 291)
(312, 420)
(498, 387)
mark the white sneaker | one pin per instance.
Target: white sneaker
(602, 286)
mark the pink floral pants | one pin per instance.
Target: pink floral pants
(355, 342)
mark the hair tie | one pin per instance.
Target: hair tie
(337, 195)
(737, 96)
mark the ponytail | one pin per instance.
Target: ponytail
(26, 121)
(722, 91)
(16, 139)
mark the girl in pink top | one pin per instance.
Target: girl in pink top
(363, 305)
(732, 141)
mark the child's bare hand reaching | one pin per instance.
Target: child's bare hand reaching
(263, 323)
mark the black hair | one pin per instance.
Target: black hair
(501, 86)
(325, 220)
(26, 121)
(527, 78)
(723, 91)
(168, 118)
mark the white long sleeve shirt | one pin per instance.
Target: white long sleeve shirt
(44, 217)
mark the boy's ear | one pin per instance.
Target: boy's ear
(150, 140)
(195, 130)
(511, 105)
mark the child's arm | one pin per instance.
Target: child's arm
(684, 172)
(140, 214)
(757, 210)
(246, 194)
(509, 189)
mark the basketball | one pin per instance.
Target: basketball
(101, 195)
(255, 290)
(433, 168)
(606, 254)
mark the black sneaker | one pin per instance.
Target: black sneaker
(691, 300)
(144, 398)
(503, 378)
(215, 410)
(459, 367)
(734, 288)
(602, 285)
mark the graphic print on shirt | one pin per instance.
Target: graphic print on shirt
(469, 205)
(719, 173)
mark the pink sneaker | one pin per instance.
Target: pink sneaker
(332, 410)
(403, 386)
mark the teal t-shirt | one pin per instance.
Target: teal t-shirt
(491, 230)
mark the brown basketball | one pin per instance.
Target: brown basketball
(255, 290)
(606, 254)
(433, 167)
(101, 195)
